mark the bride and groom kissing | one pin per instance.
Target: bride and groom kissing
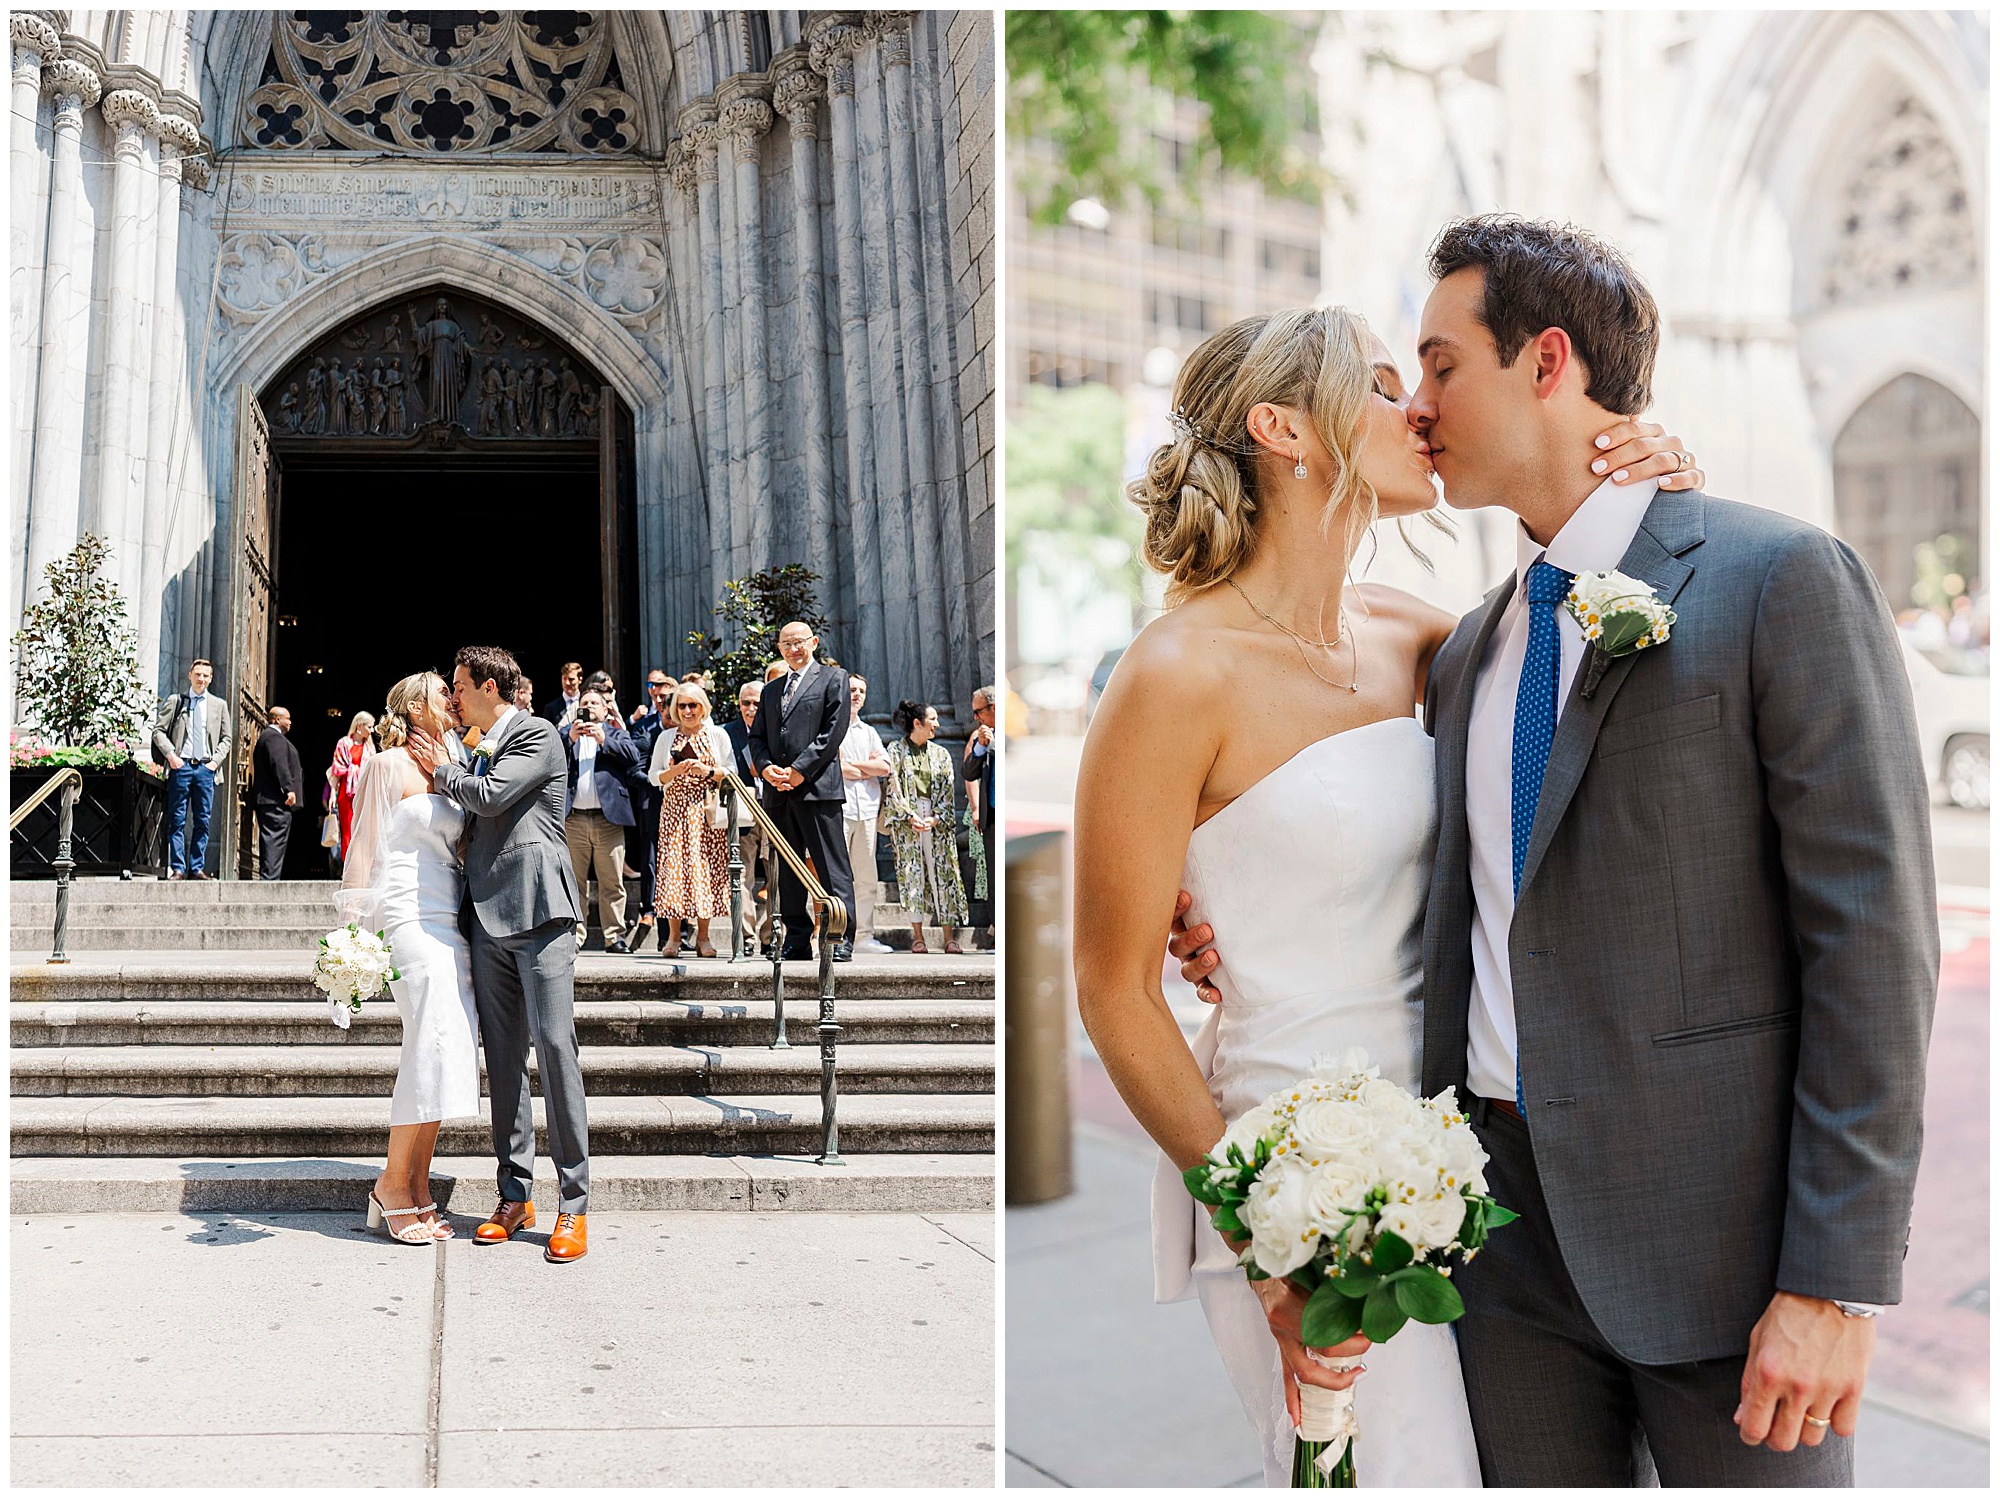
(1667, 922)
(460, 860)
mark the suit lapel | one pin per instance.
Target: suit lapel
(1673, 526)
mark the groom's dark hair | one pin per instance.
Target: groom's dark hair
(1545, 275)
(486, 663)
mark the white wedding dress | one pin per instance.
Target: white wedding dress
(403, 878)
(1314, 880)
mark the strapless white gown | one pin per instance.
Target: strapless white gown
(403, 878)
(1314, 880)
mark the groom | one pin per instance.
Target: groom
(1681, 948)
(524, 908)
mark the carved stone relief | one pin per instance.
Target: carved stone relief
(438, 81)
(1905, 219)
(443, 367)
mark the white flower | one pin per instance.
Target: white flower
(1278, 1214)
(1620, 614)
(1332, 1130)
(1405, 1221)
(1339, 1187)
(1244, 1134)
(1439, 1220)
(1351, 1062)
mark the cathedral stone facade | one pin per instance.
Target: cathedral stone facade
(729, 271)
(1804, 191)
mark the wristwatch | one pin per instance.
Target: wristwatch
(1858, 1309)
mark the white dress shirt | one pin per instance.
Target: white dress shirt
(1595, 540)
(864, 796)
(586, 776)
(197, 739)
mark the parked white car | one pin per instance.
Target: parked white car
(1954, 717)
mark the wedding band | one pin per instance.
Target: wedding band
(1815, 1420)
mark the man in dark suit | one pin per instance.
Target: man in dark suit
(642, 843)
(795, 746)
(561, 710)
(277, 780)
(597, 810)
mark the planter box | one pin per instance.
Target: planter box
(120, 825)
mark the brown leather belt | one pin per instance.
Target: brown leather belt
(1505, 1105)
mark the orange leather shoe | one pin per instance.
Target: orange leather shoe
(508, 1219)
(569, 1241)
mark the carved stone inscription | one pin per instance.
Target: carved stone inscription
(443, 366)
(458, 198)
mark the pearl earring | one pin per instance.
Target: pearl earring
(1299, 468)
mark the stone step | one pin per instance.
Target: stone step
(863, 1022)
(191, 936)
(336, 1071)
(266, 976)
(40, 894)
(318, 1127)
(463, 1184)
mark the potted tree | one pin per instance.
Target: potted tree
(82, 703)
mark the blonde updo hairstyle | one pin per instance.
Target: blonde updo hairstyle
(423, 688)
(1202, 491)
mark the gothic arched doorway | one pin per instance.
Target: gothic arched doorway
(409, 451)
(1906, 478)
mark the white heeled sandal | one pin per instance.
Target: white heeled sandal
(415, 1233)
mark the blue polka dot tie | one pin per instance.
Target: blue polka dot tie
(1535, 725)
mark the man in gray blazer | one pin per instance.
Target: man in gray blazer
(522, 900)
(1682, 947)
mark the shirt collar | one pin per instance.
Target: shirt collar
(1595, 538)
(498, 723)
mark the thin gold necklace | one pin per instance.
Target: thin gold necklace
(1303, 640)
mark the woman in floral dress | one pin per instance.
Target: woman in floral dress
(917, 815)
(691, 880)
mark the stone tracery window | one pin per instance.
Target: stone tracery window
(437, 82)
(1905, 219)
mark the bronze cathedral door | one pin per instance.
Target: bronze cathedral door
(256, 508)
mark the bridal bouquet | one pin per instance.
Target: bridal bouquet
(1360, 1194)
(352, 965)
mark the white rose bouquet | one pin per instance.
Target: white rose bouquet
(352, 965)
(1360, 1194)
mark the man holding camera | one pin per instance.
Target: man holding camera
(600, 809)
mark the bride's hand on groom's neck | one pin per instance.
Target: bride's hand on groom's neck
(1632, 451)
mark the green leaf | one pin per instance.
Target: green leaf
(1357, 1279)
(1381, 1317)
(1425, 1295)
(1498, 1216)
(1330, 1317)
(1226, 1220)
(1391, 1253)
(1200, 1187)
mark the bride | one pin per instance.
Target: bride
(1257, 747)
(403, 877)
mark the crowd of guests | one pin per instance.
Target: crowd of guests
(647, 803)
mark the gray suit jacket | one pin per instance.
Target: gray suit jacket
(517, 869)
(170, 730)
(1725, 951)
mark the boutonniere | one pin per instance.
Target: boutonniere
(1619, 616)
(483, 749)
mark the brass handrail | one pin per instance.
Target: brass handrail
(50, 786)
(831, 919)
(68, 780)
(816, 894)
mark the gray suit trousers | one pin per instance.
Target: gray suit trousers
(525, 987)
(1554, 1406)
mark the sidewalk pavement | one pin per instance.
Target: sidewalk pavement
(1107, 1389)
(726, 1349)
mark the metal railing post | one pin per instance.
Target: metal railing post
(736, 944)
(829, 1035)
(778, 1041)
(65, 830)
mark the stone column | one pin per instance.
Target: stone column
(701, 136)
(115, 498)
(36, 42)
(746, 115)
(833, 43)
(932, 642)
(178, 137)
(797, 93)
(56, 486)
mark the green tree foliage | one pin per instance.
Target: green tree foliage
(76, 660)
(1078, 80)
(1066, 484)
(752, 611)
